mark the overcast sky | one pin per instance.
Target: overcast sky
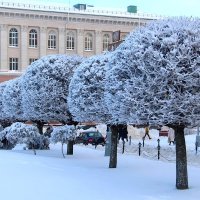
(163, 7)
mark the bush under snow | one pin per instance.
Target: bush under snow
(63, 134)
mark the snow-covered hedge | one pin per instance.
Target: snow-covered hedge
(22, 133)
(4, 143)
(19, 133)
(3, 134)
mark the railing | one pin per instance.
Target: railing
(73, 10)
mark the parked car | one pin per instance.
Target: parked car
(90, 137)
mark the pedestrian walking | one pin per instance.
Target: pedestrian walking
(146, 133)
(123, 133)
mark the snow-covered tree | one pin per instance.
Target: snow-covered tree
(2, 87)
(3, 121)
(12, 108)
(63, 134)
(86, 96)
(86, 90)
(155, 80)
(45, 88)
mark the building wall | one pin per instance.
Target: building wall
(79, 23)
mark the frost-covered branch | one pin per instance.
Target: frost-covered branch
(154, 76)
(86, 90)
(63, 133)
(45, 88)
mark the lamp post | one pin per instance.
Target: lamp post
(197, 143)
(108, 141)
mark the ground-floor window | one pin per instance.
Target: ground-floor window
(13, 63)
(32, 60)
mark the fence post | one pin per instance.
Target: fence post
(158, 149)
(143, 141)
(139, 148)
(123, 147)
(130, 140)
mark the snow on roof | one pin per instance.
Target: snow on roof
(61, 7)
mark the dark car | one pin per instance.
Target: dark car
(90, 137)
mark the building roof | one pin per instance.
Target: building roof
(58, 7)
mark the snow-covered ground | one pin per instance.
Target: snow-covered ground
(167, 152)
(86, 176)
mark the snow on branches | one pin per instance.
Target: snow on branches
(154, 76)
(2, 87)
(86, 90)
(63, 134)
(45, 87)
(12, 100)
(22, 133)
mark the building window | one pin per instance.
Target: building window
(13, 37)
(31, 60)
(13, 63)
(33, 38)
(70, 41)
(106, 41)
(52, 40)
(123, 37)
(88, 42)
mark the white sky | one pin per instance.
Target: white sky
(167, 7)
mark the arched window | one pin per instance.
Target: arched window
(52, 40)
(106, 41)
(88, 42)
(13, 37)
(33, 38)
(70, 41)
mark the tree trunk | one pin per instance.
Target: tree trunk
(40, 127)
(181, 159)
(70, 145)
(113, 152)
(6, 124)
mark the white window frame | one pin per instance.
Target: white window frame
(13, 37)
(88, 42)
(52, 40)
(33, 38)
(70, 41)
(13, 64)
